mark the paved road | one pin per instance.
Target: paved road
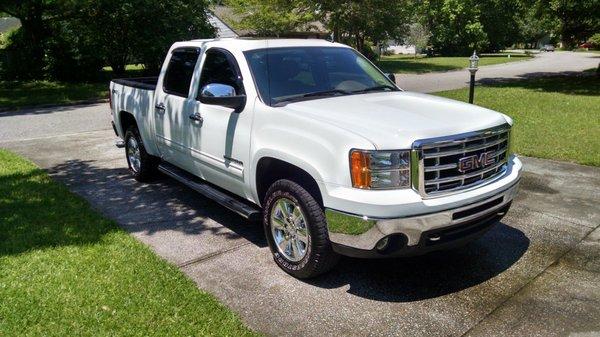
(543, 63)
(536, 273)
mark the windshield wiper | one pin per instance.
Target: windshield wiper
(324, 93)
(331, 92)
(375, 88)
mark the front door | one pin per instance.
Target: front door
(222, 146)
(173, 105)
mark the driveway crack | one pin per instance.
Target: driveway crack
(210, 256)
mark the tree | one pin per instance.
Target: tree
(273, 17)
(595, 40)
(73, 39)
(455, 26)
(534, 28)
(138, 31)
(500, 19)
(358, 22)
(418, 36)
(25, 48)
(578, 19)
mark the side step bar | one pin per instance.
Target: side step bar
(245, 209)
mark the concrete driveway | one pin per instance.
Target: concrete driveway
(536, 273)
(542, 64)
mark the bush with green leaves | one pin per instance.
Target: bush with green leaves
(595, 40)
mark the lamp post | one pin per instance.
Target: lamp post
(473, 67)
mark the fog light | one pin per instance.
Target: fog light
(382, 244)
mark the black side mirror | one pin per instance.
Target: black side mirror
(391, 76)
(223, 95)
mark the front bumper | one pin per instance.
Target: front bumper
(359, 236)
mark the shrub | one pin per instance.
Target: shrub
(595, 40)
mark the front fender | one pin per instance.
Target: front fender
(320, 149)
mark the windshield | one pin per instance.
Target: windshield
(284, 75)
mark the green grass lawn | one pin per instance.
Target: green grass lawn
(555, 117)
(15, 94)
(410, 64)
(67, 271)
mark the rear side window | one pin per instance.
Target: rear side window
(180, 71)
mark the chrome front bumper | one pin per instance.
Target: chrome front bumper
(363, 233)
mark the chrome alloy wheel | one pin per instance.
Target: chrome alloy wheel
(289, 229)
(133, 154)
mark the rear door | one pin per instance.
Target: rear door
(172, 107)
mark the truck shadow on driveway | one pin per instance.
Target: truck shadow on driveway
(165, 205)
(151, 208)
(436, 274)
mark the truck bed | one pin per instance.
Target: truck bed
(136, 97)
(148, 83)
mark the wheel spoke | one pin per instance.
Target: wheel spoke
(289, 248)
(278, 223)
(302, 235)
(295, 248)
(283, 244)
(283, 206)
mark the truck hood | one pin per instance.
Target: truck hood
(394, 120)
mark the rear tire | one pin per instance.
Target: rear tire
(142, 165)
(296, 230)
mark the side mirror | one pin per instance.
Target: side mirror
(391, 76)
(223, 95)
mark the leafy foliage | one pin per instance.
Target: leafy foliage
(578, 19)
(72, 40)
(273, 17)
(355, 21)
(418, 36)
(595, 40)
(460, 26)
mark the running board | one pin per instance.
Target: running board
(245, 209)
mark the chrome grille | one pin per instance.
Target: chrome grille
(438, 160)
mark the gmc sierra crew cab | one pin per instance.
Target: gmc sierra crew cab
(312, 139)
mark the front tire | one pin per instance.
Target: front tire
(142, 165)
(296, 231)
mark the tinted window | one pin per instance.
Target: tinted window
(179, 73)
(283, 73)
(220, 67)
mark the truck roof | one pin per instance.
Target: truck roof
(244, 44)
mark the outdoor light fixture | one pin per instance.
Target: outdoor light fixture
(473, 67)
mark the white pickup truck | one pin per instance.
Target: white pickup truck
(316, 141)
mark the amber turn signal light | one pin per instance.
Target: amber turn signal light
(359, 169)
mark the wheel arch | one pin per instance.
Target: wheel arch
(270, 168)
(126, 120)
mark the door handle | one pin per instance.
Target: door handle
(196, 117)
(159, 108)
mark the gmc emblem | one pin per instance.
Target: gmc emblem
(473, 162)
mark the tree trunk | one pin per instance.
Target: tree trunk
(34, 38)
(118, 68)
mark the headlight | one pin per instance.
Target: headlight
(380, 170)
